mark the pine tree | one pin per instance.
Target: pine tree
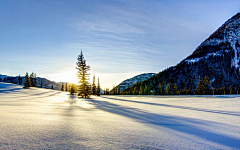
(135, 91)
(27, 83)
(163, 87)
(19, 80)
(167, 91)
(94, 86)
(32, 79)
(175, 89)
(98, 88)
(230, 90)
(66, 86)
(141, 92)
(41, 84)
(146, 90)
(62, 88)
(199, 89)
(35, 80)
(82, 68)
(52, 87)
(160, 89)
(206, 89)
(72, 90)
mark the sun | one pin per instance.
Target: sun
(69, 76)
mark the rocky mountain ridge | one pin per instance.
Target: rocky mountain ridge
(217, 57)
(129, 82)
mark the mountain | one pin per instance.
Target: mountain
(46, 83)
(217, 57)
(129, 82)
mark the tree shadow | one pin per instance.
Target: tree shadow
(181, 107)
(186, 125)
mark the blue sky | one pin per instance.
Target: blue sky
(119, 39)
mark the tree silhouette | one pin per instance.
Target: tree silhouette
(19, 80)
(98, 88)
(27, 83)
(94, 86)
(82, 68)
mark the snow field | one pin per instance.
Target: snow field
(46, 119)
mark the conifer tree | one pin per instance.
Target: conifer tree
(82, 68)
(206, 89)
(66, 87)
(32, 79)
(230, 90)
(163, 87)
(94, 86)
(52, 87)
(199, 89)
(135, 91)
(27, 83)
(98, 88)
(141, 92)
(62, 88)
(160, 89)
(167, 91)
(41, 84)
(146, 90)
(19, 80)
(175, 89)
(72, 89)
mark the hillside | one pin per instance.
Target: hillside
(136, 79)
(217, 57)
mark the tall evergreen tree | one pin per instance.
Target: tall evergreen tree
(160, 88)
(41, 84)
(52, 87)
(62, 88)
(19, 80)
(167, 91)
(98, 88)
(32, 79)
(163, 87)
(141, 91)
(230, 90)
(199, 89)
(82, 68)
(66, 87)
(27, 83)
(94, 86)
(175, 89)
(206, 89)
(35, 80)
(146, 90)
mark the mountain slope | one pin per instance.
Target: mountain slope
(46, 83)
(129, 82)
(217, 57)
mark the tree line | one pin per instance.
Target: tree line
(203, 88)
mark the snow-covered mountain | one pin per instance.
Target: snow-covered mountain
(218, 57)
(129, 82)
(46, 83)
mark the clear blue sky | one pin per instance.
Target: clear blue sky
(119, 39)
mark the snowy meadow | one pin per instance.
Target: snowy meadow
(38, 118)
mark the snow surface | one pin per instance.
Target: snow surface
(46, 119)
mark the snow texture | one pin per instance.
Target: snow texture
(38, 118)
